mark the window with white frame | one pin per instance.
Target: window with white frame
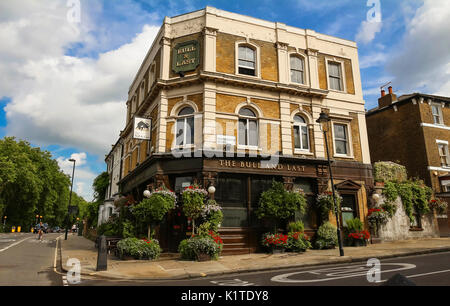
(185, 127)
(335, 76)
(341, 139)
(443, 154)
(297, 69)
(301, 136)
(248, 128)
(246, 60)
(436, 110)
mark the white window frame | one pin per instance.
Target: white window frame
(257, 51)
(247, 130)
(342, 64)
(441, 115)
(349, 140)
(300, 125)
(447, 155)
(184, 117)
(303, 59)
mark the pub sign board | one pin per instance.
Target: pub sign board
(186, 56)
(142, 128)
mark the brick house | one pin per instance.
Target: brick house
(233, 102)
(413, 131)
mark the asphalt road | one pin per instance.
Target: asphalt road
(423, 270)
(26, 261)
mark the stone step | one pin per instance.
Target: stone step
(237, 251)
(228, 246)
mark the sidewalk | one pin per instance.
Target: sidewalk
(171, 267)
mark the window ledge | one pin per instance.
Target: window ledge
(344, 156)
(183, 147)
(303, 152)
(253, 148)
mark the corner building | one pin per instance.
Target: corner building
(234, 102)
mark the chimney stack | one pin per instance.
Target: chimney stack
(387, 99)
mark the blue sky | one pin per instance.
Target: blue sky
(66, 92)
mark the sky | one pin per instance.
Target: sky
(66, 65)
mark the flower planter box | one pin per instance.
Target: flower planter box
(278, 251)
(203, 257)
(359, 243)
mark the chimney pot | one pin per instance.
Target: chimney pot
(383, 93)
(390, 90)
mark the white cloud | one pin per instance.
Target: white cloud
(421, 61)
(83, 176)
(60, 99)
(372, 60)
(367, 31)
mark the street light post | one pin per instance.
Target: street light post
(323, 120)
(70, 198)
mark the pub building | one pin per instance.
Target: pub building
(231, 101)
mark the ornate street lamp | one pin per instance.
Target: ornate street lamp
(211, 191)
(323, 121)
(70, 198)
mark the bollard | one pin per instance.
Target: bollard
(102, 257)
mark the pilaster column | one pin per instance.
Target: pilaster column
(161, 133)
(313, 68)
(209, 50)
(283, 68)
(319, 142)
(209, 119)
(286, 126)
(165, 58)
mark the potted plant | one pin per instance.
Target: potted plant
(153, 209)
(439, 206)
(325, 203)
(212, 213)
(278, 204)
(326, 237)
(205, 246)
(356, 235)
(275, 243)
(193, 203)
(134, 248)
(377, 217)
(359, 238)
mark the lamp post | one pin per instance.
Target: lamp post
(323, 121)
(70, 198)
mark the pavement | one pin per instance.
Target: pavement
(170, 266)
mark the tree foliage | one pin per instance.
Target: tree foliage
(31, 183)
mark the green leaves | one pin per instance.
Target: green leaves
(278, 203)
(31, 183)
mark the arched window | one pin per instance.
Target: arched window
(247, 60)
(297, 69)
(248, 127)
(301, 136)
(185, 127)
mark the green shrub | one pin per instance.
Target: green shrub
(389, 171)
(298, 242)
(279, 204)
(190, 249)
(326, 236)
(354, 225)
(139, 249)
(296, 226)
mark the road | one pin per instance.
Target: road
(26, 261)
(423, 270)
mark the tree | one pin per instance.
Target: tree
(100, 185)
(31, 183)
(279, 204)
(152, 210)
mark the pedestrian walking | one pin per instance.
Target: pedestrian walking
(41, 232)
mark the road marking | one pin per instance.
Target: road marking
(233, 282)
(418, 275)
(337, 273)
(14, 244)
